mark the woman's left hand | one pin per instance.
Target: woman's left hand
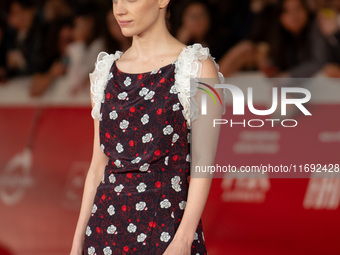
(178, 247)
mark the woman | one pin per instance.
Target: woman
(24, 49)
(87, 43)
(328, 16)
(196, 24)
(137, 188)
(297, 48)
(196, 19)
(245, 55)
(57, 42)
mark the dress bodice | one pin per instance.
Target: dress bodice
(142, 121)
(187, 66)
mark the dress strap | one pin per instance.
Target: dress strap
(189, 66)
(99, 78)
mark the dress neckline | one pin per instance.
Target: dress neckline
(152, 71)
(149, 72)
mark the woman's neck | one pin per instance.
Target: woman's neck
(153, 42)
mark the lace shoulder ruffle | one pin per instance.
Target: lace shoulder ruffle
(99, 78)
(189, 66)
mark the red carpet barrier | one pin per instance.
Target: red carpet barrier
(45, 154)
(41, 192)
(42, 176)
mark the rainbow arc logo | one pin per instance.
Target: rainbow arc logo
(204, 97)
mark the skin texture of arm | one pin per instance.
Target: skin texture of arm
(204, 145)
(93, 178)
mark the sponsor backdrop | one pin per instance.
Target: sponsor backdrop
(45, 152)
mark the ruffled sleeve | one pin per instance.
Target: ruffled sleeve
(189, 66)
(99, 78)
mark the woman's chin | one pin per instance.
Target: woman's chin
(128, 32)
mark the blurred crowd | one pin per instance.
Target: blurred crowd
(279, 38)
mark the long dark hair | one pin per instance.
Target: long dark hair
(92, 10)
(286, 48)
(181, 9)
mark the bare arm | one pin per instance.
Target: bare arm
(204, 139)
(93, 178)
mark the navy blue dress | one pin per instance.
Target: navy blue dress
(141, 200)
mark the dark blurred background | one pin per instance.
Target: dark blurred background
(47, 50)
(279, 38)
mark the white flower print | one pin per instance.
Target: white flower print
(156, 71)
(94, 208)
(136, 160)
(188, 158)
(189, 137)
(113, 115)
(124, 125)
(132, 228)
(165, 203)
(112, 230)
(168, 130)
(149, 95)
(112, 178)
(195, 236)
(102, 147)
(118, 163)
(119, 147)
(143, 92)
(123, 96)
(175, 107)
(88, 231)
(173, 89)
(141, 187)
(147, 138)
(110, 76)
(176, 181)
(165, 236)
(140, 206)
(144, 167)
(91, 250)
(175, 138)
(166, 161)
(145, 119)
(182, 205)
(127, 81)
(141, 237)
(111, 210)
(107, 251)
(119, 188)
(172, 215)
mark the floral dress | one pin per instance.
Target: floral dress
(145, 132)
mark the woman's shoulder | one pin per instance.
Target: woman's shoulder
(106, 56)
(104, 62)
(99, 78)
(196, 57)
(198, 51)
(194, 62)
